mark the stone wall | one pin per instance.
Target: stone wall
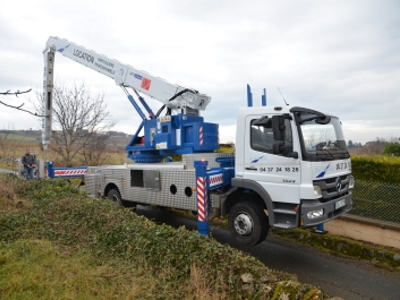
(362, 229)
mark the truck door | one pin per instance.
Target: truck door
(278, 174)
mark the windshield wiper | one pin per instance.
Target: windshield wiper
(331, 156)
(325, 157)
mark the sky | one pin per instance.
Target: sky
(339, 56)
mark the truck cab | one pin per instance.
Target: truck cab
(293, 163)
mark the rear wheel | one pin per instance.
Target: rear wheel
(114, 196)
(248, 224)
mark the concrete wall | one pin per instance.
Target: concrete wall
(362, 229)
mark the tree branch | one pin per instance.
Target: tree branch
(16, 93)
(19, 107)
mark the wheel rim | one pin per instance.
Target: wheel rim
(114, 198)
(243, 224)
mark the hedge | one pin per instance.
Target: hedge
(384, 169)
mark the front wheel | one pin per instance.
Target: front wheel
(248, 224)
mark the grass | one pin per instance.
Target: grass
(36, 269)
(14, 145)
(58, 244)
(20, 137)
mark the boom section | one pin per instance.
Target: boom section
(171, 95)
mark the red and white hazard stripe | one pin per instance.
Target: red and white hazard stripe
(69, 172)
(216, 179)
(201, 200)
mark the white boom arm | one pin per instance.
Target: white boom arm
(171, 95)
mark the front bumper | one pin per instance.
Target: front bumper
(330, 211)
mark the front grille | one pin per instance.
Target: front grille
(333, 188)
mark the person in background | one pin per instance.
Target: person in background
(29, 162)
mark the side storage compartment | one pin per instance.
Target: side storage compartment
(92, 184)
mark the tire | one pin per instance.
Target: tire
(248, 224)
(114, 196)
(129, 204)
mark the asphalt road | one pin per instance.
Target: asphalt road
(346, 278)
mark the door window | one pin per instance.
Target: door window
(262, 138)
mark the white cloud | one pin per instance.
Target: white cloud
(337, 56)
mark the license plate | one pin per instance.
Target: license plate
(340, 203)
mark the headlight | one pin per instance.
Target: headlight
(352, 182)
(317, 191)
(315, 213)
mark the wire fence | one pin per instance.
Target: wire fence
(378, 201)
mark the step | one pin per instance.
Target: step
(284, 226)
(284, 211)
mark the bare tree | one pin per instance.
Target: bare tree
(79, 120)
(374, 147)
(96, 152)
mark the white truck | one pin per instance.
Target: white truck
(291, 167)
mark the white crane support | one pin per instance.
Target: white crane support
(48, 82)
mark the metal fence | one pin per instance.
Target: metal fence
(378, 201)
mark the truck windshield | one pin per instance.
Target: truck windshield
(323, 141)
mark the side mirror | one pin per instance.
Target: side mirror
(278, 128)
(263, 121)
(323, 120)
(278, 147)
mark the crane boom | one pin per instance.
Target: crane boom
(185, 103)
(126, 75)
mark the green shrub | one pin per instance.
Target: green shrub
(385, 169)
(225, 149)
(392, 149)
